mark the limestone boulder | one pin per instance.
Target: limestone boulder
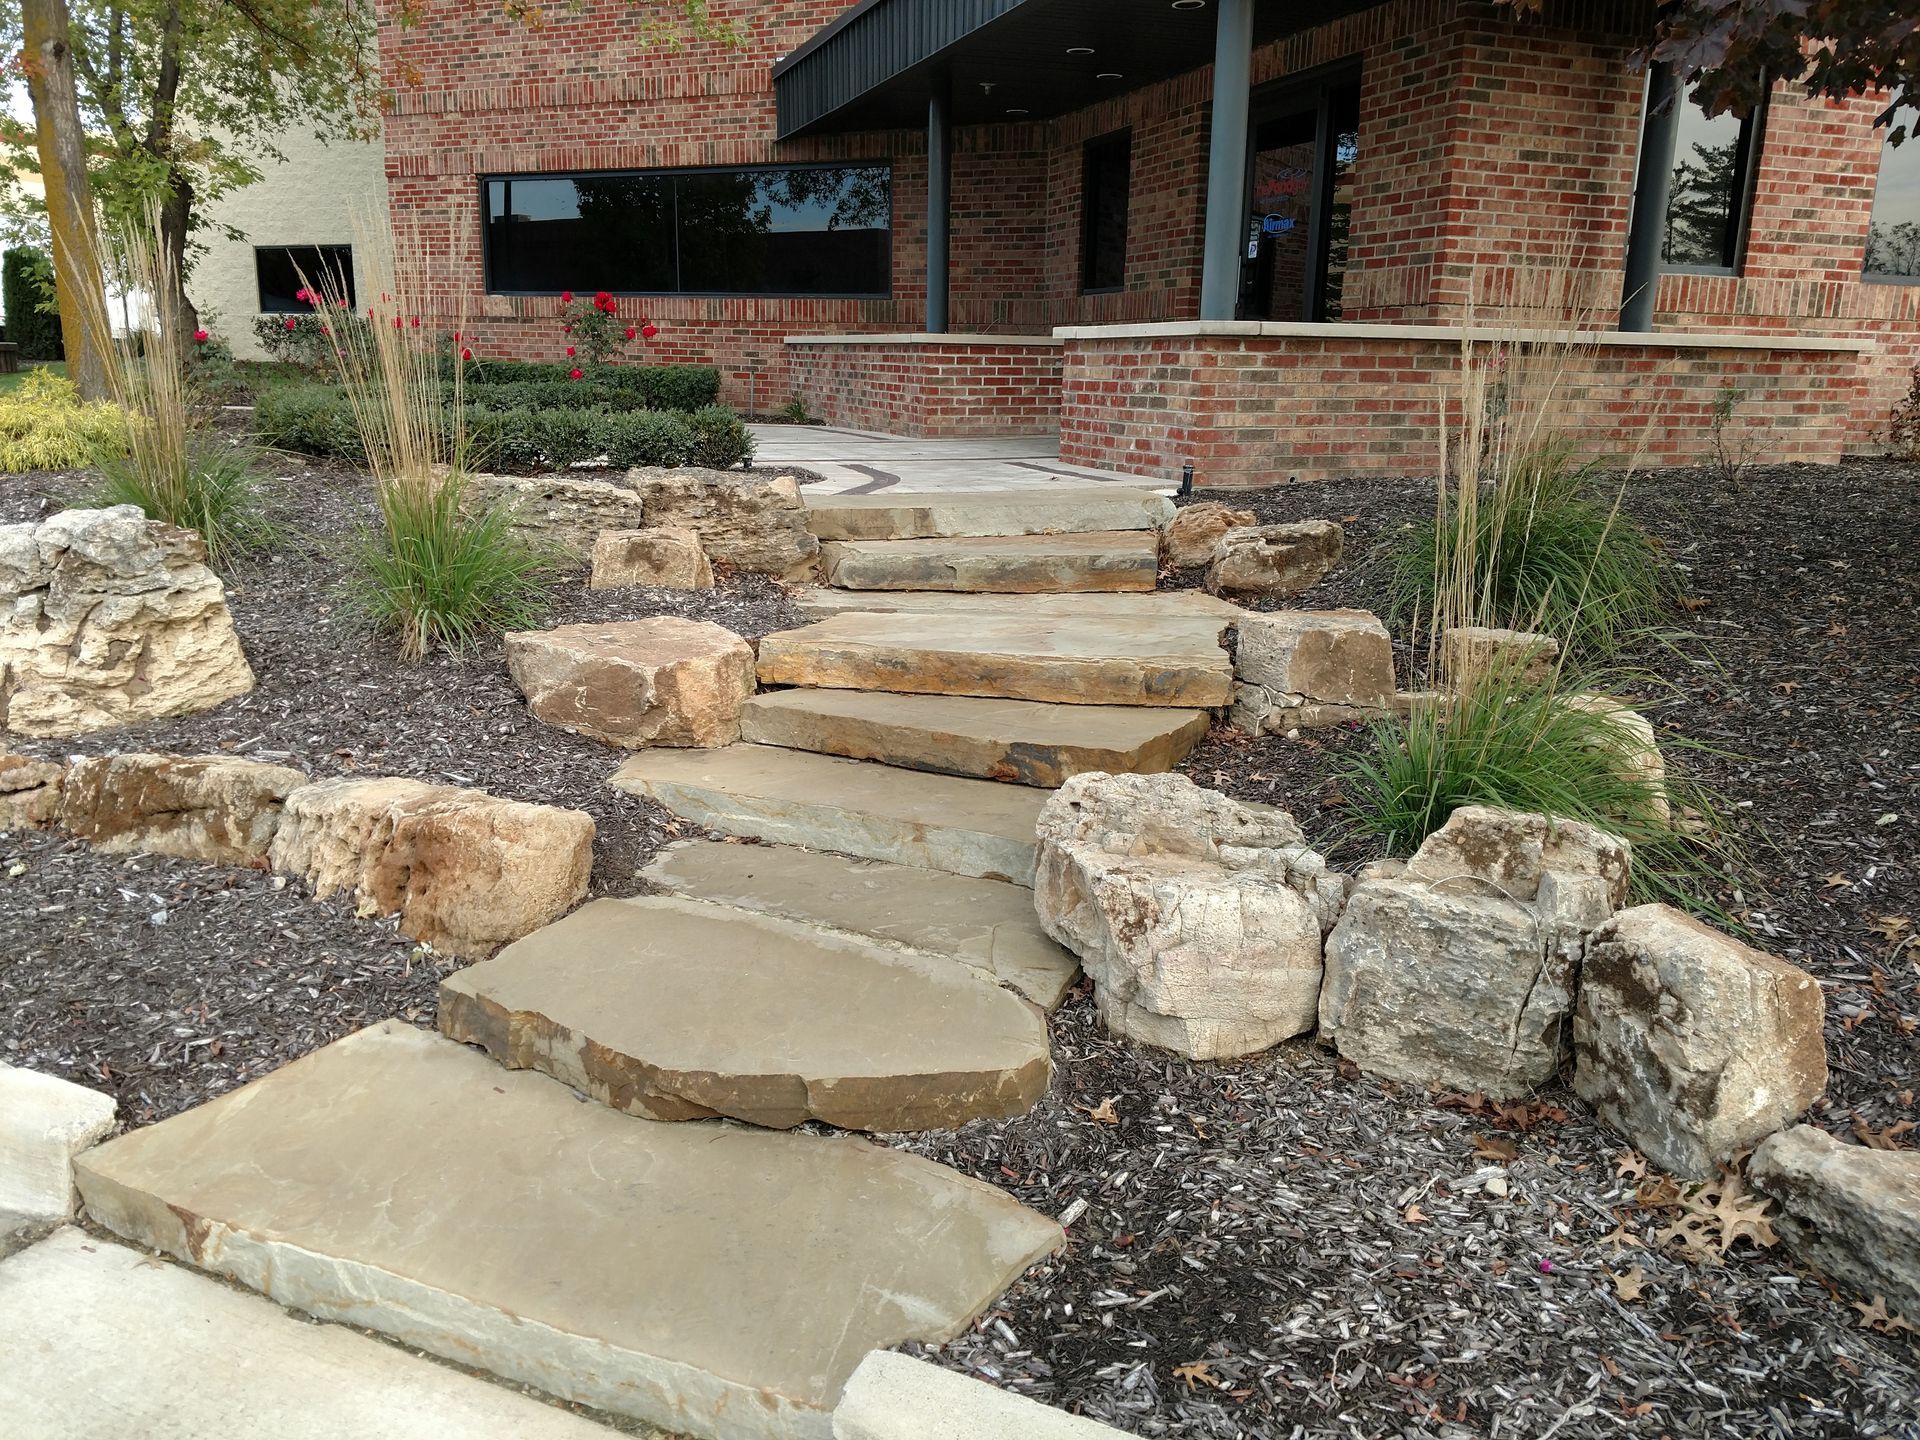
(666, 558)
(637, 683)
(1430, 986)
(1275, 559)
(44, 1122)
(751, 522)
(465, 871)
(1506, 852)
(216, 809)
(1200, 920)
(109, 619)
(1691, 1045)
(1187, 541)
(1850, 1212)
(556, 511)
(1636, 743)
(1302, 669)
(1472, 653)
(29, 792)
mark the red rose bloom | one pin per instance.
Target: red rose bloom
(575, 373)
(292, 324)
(649, 330)
(466, 354)
(566, 297)
(416, 322)
(631, 332)
(569, 352)
(200, 337)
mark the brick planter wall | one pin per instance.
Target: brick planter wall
(930, 385)
(1253, 405)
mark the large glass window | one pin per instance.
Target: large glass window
(1105, 192)
(279, 268)
(1707, 200)
(1893, 239)
(792, 230)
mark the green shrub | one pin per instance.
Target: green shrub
(26, 284)
(317, 420)
(443, 575)
(1536, 548)
(218, 496)
(44, 426)
(646, 387)
(720, 441)
(1526, 747)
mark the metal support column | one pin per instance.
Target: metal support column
(1651, 190)
(939, 202)
(1227, 162)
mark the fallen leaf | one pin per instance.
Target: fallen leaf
(1630, 1283)
(1874, 1315)
(1887, 1139)
(1414, 1215)
(1631, 1164)
(1692, 604)
(1495, 1147)
(1890, 928)
(1837, 881)
(1104, 1113)
(1197, 1372)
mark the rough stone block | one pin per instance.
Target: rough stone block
(1275, 559)
(666, 558)
(1471, 653)
(29, 792)
(751, 522)
(1851, 1212)
(555, 510)
(638, 683)
(1189, 539)
(215, 809)
(1509, 850)
(465, 871)
(896, 1397)
(1310, 668)
(1694, 1046)
(44, 1123)
(108, 619)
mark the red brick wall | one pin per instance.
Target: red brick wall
(931, 388)
(1254, 411)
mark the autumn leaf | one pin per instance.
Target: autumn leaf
(1414, 1215)
(1495, 1147)
(1837, 881)
(1630, 1164)
(1197, 1372)
(1630, 1283)
(1887, 1139)
(1104, 1113)
(1874, 1315)
(1891, 928)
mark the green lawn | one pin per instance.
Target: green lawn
(7, 382)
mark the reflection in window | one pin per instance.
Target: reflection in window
(1104, 198)
(800, 230)
(1706, 203)
(279, 268)
(1893, 239)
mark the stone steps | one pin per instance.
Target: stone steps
(988, 924)
(673, 1009)
(1023, 741)
(997, 564)
(1056, 510)
(819, 603)
(1058, 659)
(822, 802)
(103, 1342)
(705, 1277)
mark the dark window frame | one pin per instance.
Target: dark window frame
(1753, 130)
(1091, 155)
(486, 238)
(295, 307)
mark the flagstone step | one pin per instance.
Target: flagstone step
(1023, 741)
(821, 802)
(674, 1009)
(103, 1342)
(1056, 510)
(709, 1278)
(1061, 659)
(819, 603)
(988, 924)
(1003, 564)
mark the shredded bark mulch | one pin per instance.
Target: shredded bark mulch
(1272, 1248)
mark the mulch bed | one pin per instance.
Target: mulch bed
(1270, 1248)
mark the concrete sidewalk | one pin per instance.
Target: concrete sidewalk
(857, 462)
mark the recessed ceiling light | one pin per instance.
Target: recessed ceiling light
(1080, 50)
(1108, 75)
(1189, 4)
(1019, 112)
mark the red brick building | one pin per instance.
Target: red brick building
(1240, 234)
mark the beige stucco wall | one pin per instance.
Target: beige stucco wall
(311, 199)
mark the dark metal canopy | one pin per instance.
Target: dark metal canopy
(1009, 60)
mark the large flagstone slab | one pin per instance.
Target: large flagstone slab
(1025, 742)
(1067, 660)
(1056, 510)
(1001, 564)
(821, 802)
(678, 1010)
(820, 603)
(710, 1278)
(988, 924)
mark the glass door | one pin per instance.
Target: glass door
(1305, 140)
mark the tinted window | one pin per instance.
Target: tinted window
(280, 268)
(1893, 240)
(1108, 186)
(1706, 204)
(802, 230)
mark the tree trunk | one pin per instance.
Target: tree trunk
(85, 328)
(176, 215)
